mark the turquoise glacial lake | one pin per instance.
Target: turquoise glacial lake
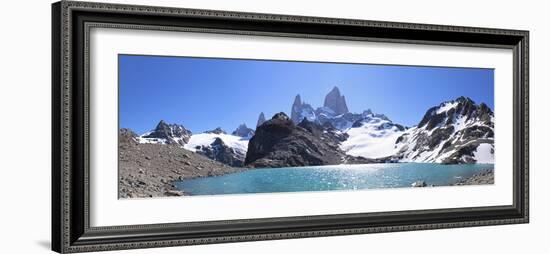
(326, 178)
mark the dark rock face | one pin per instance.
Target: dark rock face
(280, 143)
(335, 101)
(220, 152)
(450, 133)
(171, 133)
(243, 131)
(261, 119)
(218, 130)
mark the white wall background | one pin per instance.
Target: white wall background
(25, 125)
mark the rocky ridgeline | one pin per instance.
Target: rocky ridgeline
(278, 142)
(218, 130)
(334, 111)
(168, 134)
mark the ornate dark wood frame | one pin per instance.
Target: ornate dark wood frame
(71, 22)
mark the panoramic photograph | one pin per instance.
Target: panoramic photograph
(193, 126)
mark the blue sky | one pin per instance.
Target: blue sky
(204, 93)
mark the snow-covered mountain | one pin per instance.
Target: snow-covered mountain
(368, 134)
(219, 146)
(373, 136)
(215, 144)
(166, 133)
(454, 132)
(457, 131)
(334, 111)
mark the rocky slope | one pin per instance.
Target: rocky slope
(458, 131)
(148, 170)
(280, 143)
(485, 177)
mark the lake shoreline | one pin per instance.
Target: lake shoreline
(485, 177)
(270, 180)
(154, 170)
(150, 170)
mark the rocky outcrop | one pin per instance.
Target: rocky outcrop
(166, 133)
(455, 132)
(336, 102)
(261, 119)
(281, 143)
(218, 130)
(220, 152)
(243, 131)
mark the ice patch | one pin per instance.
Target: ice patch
(205, 139)
(446, 106)
(484, 154)
(370, 141)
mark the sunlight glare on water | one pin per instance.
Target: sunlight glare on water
(333, 177)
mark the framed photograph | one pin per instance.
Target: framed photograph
(181, 126)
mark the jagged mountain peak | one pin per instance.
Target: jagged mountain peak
(243, 131)
(297, 100)
(335, 101)
(261, 119)
(301, 109)
(335, 91)
(460, 109)
(167, 133)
